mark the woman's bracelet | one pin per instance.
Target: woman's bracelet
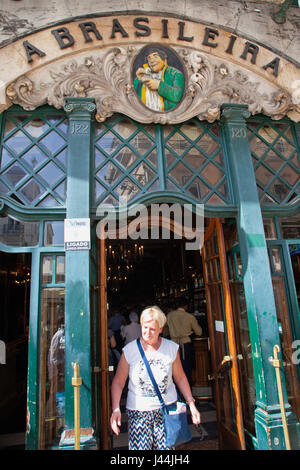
(190, 400)
(116, 409)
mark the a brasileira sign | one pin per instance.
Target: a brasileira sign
(142, 29)
(152, 68)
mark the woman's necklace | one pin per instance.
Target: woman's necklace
(151, 347)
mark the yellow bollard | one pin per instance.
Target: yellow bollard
(76, 382)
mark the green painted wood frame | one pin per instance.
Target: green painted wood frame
(261, 311)
(268, 406)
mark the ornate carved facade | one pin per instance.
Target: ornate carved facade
(106, 76)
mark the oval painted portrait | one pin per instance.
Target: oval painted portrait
(158, 78)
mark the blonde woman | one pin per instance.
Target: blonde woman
(145, 418)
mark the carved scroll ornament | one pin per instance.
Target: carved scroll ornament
(107, 77)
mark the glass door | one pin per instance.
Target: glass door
(52, 351)
(224, 357)
(241, 328)
(286, 333)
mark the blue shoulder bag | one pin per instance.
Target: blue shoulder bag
(175, 417)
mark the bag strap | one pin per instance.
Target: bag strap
(150, 372)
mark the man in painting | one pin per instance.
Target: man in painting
(159, 86)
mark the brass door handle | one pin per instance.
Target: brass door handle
(277, 364)
(216, 374)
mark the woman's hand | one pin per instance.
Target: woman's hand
(196, 417)
(115, 421)
(116, 392)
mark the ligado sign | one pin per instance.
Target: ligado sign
(100, 31)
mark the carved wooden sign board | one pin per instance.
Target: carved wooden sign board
(151, 68)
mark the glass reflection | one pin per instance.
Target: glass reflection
(47, 267)
(290, 227)
(269, 227)
(54, 233)
(16, 233)
(52, 389)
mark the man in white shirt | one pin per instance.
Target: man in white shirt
(182, 325)
(133, 330)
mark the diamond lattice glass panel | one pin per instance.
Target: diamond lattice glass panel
(143, 174)
(62, 158)
(127, 160)
(63, 127)
(18, 142)
(290, 175)
(141, 143)
(223, 190)
(99, 190)
(258, 147)
(52, 142)
(152, 158)
(171, 186)
(6, 158)
(190, 130)
(194, 149)
(154, 186)
(275, 159)
(150, 129)
(4, 189)
(212, 174)
(127, 190)
(170, 158)
(198, 189)
(9, 126)
(34, 158)
(208, 145)
(51, 174)
(61, 190)
(284, 147)
(263, 175)
(215, 199)
(126, 157)
(181, 174)
(178, 143)
(99, 158)
(125, 128)
(109, 142)
(36, 127)
(279, 189)
(110, 200)
(109, 174)
(15, 174)
(48, 201)
(32, 190)
(195, 159)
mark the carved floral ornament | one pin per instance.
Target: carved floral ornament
(107, 77)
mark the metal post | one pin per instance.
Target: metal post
(76, 382)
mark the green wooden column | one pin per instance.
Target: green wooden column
(262, 319)
(77, 301)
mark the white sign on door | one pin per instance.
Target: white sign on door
(77, 234)
(219, 326)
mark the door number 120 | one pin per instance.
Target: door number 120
(238, 133)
